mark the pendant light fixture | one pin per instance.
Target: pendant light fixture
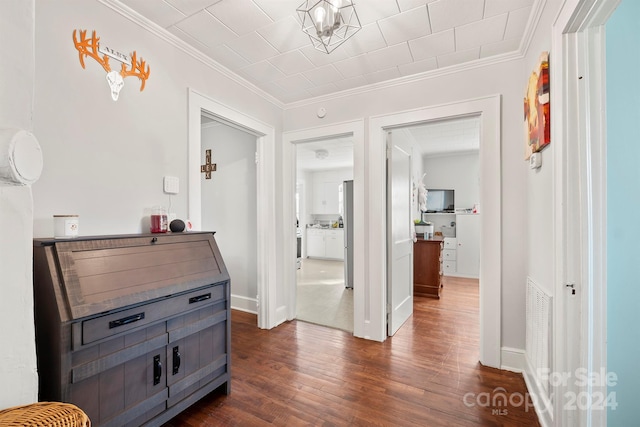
(328, 23)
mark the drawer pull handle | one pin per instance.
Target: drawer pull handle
(157, 370)
(176, 360)
(200, 298)
(126, 320)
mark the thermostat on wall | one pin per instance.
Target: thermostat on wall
(535, 161)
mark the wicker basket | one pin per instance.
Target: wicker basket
(44, 414)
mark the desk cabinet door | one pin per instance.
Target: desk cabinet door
(196, 354)
(120, 387)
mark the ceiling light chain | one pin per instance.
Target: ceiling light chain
(328, 23)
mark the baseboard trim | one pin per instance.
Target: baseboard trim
(512, 359)
(515, 360)
(249, 305)
(281, 315)
(541, 404)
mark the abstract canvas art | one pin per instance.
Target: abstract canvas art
(537, 109)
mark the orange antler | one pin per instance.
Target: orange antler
(137, 69)
(83, 46)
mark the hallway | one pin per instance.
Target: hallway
(426, 375)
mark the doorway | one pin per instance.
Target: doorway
(445, 167)
(488, 111)
(323, 169)
(231, 184)
(265, 302)
(290, 141)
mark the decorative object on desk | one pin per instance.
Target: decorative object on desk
(159, 220)
(177, 226)
(537, 109)
(90, 47)
(65, 226)
(328, 23)
(208, 167)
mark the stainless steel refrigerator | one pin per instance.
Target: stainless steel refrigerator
(347, 203)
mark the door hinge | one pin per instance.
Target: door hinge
(256, 157)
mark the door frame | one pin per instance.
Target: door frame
(488, 108)
(289, 139)
(266, 238)
(579, 127)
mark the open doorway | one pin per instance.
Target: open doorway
(324, 183)
(444, 165)
(264, 302)
(231, 184)
(487, 109)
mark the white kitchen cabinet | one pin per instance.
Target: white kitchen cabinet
(326, 197)
(334, 243)
(315, 243)
(325, 243)
(468, 239)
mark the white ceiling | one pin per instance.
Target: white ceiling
(445, 137)
(261, 40)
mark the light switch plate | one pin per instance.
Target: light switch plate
(171, 184)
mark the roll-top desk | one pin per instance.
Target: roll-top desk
(133, 329)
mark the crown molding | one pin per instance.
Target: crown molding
(127, 12)
(427, 75)
(177, 42)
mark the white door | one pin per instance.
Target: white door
(399, 235)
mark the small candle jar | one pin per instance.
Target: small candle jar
(159, 220)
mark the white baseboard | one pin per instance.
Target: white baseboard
(249, 305)
(512, 359)
(281, 314)
(541, 403)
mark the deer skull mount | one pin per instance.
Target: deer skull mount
(116, 82)
(90, 47)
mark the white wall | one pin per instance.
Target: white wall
(506, 79)
(540, 181)
(459, 172)
(229, 207)
(105, 160)
(18, 376)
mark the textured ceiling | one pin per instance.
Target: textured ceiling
(445, 137)
(261, 40)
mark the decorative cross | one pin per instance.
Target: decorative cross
(208, 167)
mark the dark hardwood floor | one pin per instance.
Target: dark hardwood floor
(300, 374)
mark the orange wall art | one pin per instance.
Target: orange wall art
(537, 111)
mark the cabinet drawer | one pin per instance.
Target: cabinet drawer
(450, 243)
(449, 254)
(448, 267)
(126, 320)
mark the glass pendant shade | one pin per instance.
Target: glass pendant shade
(328, 23)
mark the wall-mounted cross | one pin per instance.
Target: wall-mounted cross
(208, 167)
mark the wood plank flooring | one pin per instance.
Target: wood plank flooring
(301, 374)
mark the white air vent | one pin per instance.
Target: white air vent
(538, 333)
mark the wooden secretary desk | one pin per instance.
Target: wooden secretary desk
(133, 329)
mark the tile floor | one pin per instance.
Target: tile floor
(321, 296)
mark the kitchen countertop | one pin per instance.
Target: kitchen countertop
(323, 227)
